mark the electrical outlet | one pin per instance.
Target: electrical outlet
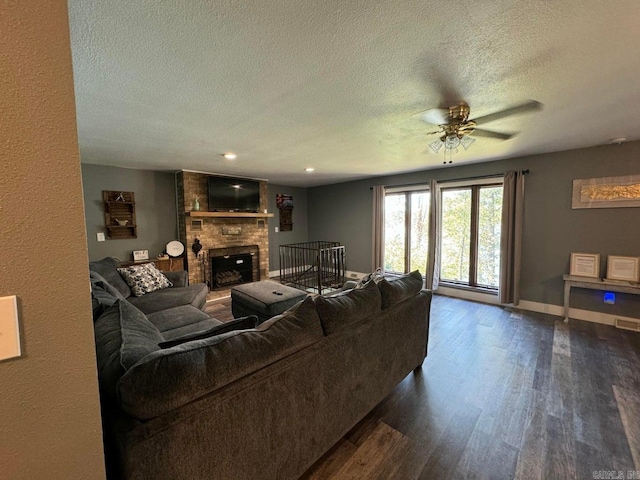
(100, 236)
(277, 229)
(9, 330)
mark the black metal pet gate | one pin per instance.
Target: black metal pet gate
(316, 266)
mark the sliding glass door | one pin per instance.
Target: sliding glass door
(406, 230)
(470, 238)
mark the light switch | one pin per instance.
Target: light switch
(276, 229)
(100, 236)
(9, 330)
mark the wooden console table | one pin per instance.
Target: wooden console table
(164, 265)
(595, 284)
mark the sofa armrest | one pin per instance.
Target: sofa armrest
(179, 278)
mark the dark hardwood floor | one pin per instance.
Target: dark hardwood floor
(503, 395)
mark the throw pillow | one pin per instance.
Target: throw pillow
(396, 290)
(376, 276)
(339, 311)
(145, 278)
(243, 323)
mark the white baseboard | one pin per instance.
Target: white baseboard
(547, 308)
(468, 295)
(575, 313)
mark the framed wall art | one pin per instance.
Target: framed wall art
(585, 265)
(622, 268)
(606, 192)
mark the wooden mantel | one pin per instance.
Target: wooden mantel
(228, 214)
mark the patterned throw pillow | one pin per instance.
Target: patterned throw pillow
(144, 278)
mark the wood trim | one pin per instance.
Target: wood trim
(229, 214)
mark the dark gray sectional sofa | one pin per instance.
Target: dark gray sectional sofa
(174, 311)
(259, 403)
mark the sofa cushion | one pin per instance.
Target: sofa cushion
(100, 300)
(98, 279)
(145, 278)
(107, 267)
(243, 323)
(339, 311)
(170, 378)
(396, 290)
(195, 295)
(179, 317)
(123, 336)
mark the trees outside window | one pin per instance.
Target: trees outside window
(406, 231)
(470, 241)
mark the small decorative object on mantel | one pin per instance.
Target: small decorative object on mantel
(227, 230)
(606, 192)
(196, 204)
(285, 206)
(622, 268)
(585, 265)
(196, 247)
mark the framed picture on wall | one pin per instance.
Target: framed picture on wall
(622, 268)
(585, 265)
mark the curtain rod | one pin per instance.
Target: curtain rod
(479, 177)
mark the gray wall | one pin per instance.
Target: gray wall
(342, 212)
(299, 232)
(155, 195)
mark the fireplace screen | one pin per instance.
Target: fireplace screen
(229, 270)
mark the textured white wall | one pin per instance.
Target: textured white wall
(49, 408)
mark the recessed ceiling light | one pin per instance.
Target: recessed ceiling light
(230, 156)
(309, 169)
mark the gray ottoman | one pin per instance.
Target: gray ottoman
(263, 299)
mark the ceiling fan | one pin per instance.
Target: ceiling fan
(456, 128)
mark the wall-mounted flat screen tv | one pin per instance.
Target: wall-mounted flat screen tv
(227, 194)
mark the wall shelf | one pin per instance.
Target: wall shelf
(228, 214)
(119, 206)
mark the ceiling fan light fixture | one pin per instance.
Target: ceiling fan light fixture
(452, 142)
(466, 141)
(436, 145)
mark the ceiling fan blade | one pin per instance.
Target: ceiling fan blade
(525, 107)
(434, 116)
(479, 132)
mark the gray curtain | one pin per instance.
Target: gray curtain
(432, 276)
(511, 237)
(377, 247)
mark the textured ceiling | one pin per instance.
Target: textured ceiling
(334, 84)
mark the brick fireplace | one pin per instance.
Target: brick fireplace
(233, 233)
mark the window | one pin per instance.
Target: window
(406, 230)
(470, 235)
